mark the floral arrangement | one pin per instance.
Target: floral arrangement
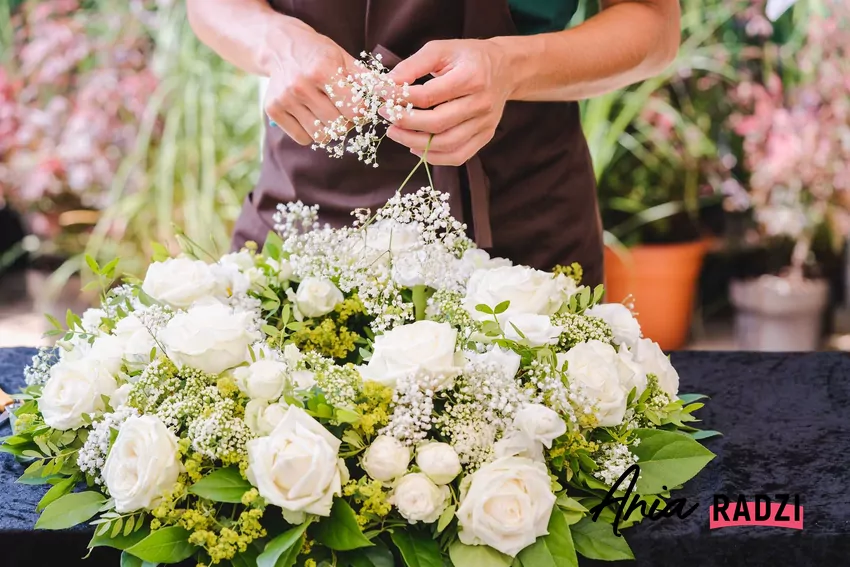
(795, 140)
(375, 395)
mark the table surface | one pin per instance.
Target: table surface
(786, 430)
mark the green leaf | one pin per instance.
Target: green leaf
(272, 246)
(128, 560)
(340, 531)
(417, 548)
(54, 321)
(446, 518)
(596, 540)
(567, 503)
(501, 308)
(375, 556)
(167, 545)
(246, 559)
(484, 308)
(160, 252)
(222, 485)
(120, 541)
(70, 510)
(705, 434)
(58, 490)
(690, 398)
(283, 550)
(92, 264)
(344, 415)
(477, 556)
(667, 459)
(553, 550)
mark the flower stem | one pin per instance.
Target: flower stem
(420, 302)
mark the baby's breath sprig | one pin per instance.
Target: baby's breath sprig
(363, 93)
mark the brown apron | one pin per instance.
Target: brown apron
(529, 195)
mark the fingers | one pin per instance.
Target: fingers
(461, 155)
(446, 116)
(430, 60)
(446, 142)
(291, 126)
(457, 83)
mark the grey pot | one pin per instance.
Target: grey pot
(778, 314)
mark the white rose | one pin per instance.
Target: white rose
(527, 289)
(120, 396)
(418, 499)
(317, 297)
(262, 417)
(635, 376)
(534, 426)
(386, 458)
(91, 320)
(75, 387)
(507, 505)
(595, 366)
(75, 349)
(281, 268)
(143, 464)
(624, 325)
(262, 380)
(303, 380)
(567, 286)
(292, 355)
(408, 270)
(478, 259)
(423, 346)
(653, 361)
(537, 330)
(438, 461)
(180, 282)
(210, 337)
(137, 340)
(231, 280)
(504, 360)
(108, 350)
(297, 467)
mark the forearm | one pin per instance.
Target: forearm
(243, 32)
(625, 43)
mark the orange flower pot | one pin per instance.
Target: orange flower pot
(661, 280)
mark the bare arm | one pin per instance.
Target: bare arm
(627, 42)
(298, 60)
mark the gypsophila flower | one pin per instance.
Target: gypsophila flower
(38, 371)
(613, 459)
(581, 329)
(92, 456)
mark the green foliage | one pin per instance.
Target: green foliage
(283, 550)
(417, 548)
(478, 555)
(222, 485)
(667, 459)
(553, 550)
(70, 510)
(596, 540)
(340, 531)
(168, 545)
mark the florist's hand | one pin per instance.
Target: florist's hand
(465, 99)
(304, 61)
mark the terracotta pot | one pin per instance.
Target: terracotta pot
(661, 280)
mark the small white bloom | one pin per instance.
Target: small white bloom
(317, 297)
(567, 285)
(75, 388)
(297, 467)
(212, 338)
(119, 397)
(137, 342)
(303, 380)
(653, 361)
(386, 459)
(535, 426)
(108, 350)
(91, 320)
(595, 366)
(478, 259)
(528, 291)
(635, 376)
(262, 380)
(143, 464)
(262, 417)
(439, 461)
(180, 282)
(537, 330)
(418, 499)
(506, 505)
(625, 327)
(281, 268)
(423, 346)
(503, 359)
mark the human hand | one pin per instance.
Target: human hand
(302, 63)
(464, 101)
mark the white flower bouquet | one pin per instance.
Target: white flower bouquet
(377, 395)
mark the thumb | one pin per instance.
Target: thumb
(429, 60)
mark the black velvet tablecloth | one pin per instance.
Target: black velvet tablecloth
(786, 429)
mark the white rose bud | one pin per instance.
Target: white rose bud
(317, 297)
(180, 282)
(297, 467)
(535, 426)
(439, 461)
(653, 361)
(137, 340)
(120, 396)
(303, 379)
(595, 366)
(528, 290)
(386, 459)
(478, 259)
(91, 320)
(506, 505)
(281, 268)
(107, 350)
(262, 417)
(143, 464)
(418, 499)
(623, 324)
(537, 330)
(423, 346)
(75, 388)
(211, 338)
(262, 380)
